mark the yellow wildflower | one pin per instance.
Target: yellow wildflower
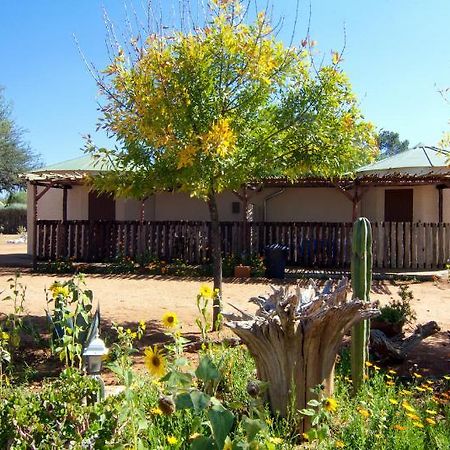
(413, 416)
(430, 421)
(156, 411)
(170, 319)
(417, 375)
(4, 336)
(339, 444)
(172, 440)
(305, 436)
(330, 404)
(405, 392)
(369, 364)
(393, 401)
(390, 383)
(418, 424)
(194, 436)
(447, 377)
(408, 407)
(399, 427)
(155, 362)
(420, 389)
(275, 440)
(206, 291)
(431, 412)
(392, 372)
(364, 412)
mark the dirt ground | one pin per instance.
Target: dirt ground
(129, 299)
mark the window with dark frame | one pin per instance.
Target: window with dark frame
(101, 206)
(235, 207)
(398, 205)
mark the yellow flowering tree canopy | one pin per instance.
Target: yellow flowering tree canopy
(225, 104)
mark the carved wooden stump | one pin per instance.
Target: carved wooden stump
(294, 338)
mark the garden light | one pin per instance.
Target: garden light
(93, 358)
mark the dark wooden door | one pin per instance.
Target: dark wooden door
(398, 205)
(101, 206)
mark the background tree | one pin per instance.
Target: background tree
(218, 106)
(15, 154)
(390, 144)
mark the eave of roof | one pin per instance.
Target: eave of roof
(401, 169)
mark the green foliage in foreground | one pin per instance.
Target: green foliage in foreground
(384, 415)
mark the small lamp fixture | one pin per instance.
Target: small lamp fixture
(93, 356)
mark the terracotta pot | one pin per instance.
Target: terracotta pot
(388, 328)
(242, 271)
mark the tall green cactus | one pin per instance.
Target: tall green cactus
(361, 269)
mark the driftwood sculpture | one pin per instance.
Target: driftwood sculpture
(294, 338)
(397, 350)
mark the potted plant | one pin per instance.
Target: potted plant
(395, 314)
(242, 271)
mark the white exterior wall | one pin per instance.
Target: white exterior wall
(77, 203)
(425, 204)
(446, 205)
(309, 205)
(292, 204)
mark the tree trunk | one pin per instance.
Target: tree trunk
(216, 255)
(294, 339)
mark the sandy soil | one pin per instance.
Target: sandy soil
(128, 299)
(133, 298)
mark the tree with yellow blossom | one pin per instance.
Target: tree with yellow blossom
(221, 105)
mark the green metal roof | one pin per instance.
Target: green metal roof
(417, 157)
(85, 163)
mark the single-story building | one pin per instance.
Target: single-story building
(409, 188)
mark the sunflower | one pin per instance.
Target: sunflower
(206, 291)
(155, 362)
(330, 404)
(58, 290)
(170, 320)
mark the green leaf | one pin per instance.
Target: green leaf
(221, 422)
(252, 427)
(177, 379)
(313, 403)
(203, 443)
(195, 400)
(207, 370)
(200, 400)
(308, 412)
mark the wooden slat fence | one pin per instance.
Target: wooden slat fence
(396, 245)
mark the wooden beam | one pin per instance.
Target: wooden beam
(64, 214)
(35, 200)
(42, 193)
(440, 204)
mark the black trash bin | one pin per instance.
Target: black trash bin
(276, 256)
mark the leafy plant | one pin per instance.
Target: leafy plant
(121, 350)
(399, 311)
(71, 320)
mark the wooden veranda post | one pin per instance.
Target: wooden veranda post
(35, 200)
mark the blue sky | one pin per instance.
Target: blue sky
(397, 57)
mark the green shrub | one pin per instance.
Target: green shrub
(11, 218)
